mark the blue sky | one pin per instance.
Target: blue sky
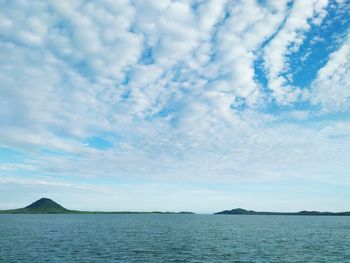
(175, 105)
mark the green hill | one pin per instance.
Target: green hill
(47, 206)
(42, 206)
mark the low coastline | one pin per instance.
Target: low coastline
(48, 206)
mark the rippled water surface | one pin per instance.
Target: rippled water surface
(173, 238)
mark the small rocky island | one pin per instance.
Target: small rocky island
(48, 206)
(240, 211)
(41, 206)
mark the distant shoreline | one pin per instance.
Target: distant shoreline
(240, 211)
(33, 212)
(47, 206)
(73, 212)
(21, 211)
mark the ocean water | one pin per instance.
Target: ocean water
(173, 238)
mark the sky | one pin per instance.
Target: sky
(182, 105)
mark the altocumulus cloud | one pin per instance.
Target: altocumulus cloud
(174, 91)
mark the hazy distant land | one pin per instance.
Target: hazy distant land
(240, 211)
(48, 206)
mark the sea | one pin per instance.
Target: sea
(173, 238)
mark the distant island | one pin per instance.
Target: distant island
(48, 206)
(240, 211)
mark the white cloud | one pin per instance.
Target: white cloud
(32, 182)
(287, 41)
(331, 88)
(71, 70)
(248, 26)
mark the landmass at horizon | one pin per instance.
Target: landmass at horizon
(48, 206)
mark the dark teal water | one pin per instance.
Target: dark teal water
(173, 238)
